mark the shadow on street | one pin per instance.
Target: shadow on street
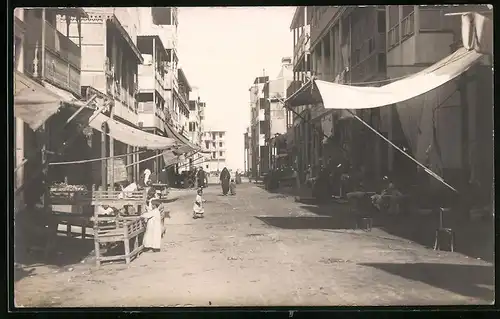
(466, 280)
(315, 222)
(68, 251)
(472, 238)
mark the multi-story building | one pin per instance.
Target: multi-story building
(258, 126)
(47, 62)
(348, 45)
(151, 91)
(214, 143)
(110, 70)
(247, 151)
(442, 126)
(195, 125)
(162, 22)
(275, 114)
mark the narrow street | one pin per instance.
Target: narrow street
(263, 249)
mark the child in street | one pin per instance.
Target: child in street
(232, 187)
(198, 210)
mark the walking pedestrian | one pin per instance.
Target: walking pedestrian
(225, 177)
(201, 178)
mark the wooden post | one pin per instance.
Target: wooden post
(44, 31)
(104, 164)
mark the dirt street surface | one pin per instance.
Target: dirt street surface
(263, 249)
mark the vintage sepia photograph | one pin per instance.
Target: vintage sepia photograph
(253, 156)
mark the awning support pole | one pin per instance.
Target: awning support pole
(428, 171)
(80, 109)
(146, 159)
(95, 159)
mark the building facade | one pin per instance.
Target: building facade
(46, 61)
(276, 113)
(195, 125)
(214, 143)
(418, 36)
(372, 46)
(259, 126)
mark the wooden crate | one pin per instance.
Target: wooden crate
(118, 229)
(117, 198)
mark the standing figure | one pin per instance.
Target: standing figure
(232, 187)
(198, 210)
(201, 178)
(152, 215)
(225, 177)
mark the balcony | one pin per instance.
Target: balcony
(150, 115)
(150, 80)
(302, 45)
(321, 21)
(62, 57)
(407, 25)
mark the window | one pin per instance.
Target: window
(221, 154)
(220, 144)
(382, 63)
(356, 56)
(192, 126)
(213, 144)
(371, 45)
(206, 166)
(207, 145)
(381, 21)
(192, 105)
(220, 135)
(214, 154)
(213, 136)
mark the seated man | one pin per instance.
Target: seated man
(388, 199)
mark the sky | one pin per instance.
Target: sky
(221, 51)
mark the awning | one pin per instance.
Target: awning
(172, 133)
(305, 95)
(337, 96)
(477, 32)
(132, 136)
(170, 158)
(34, 103)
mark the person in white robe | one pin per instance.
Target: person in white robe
(152, 236)
(198, 210)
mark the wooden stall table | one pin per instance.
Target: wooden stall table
(115, 229)
(360, 205)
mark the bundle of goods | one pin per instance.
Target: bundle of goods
(65, 193)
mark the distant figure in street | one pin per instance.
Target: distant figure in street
(238, 177)
(201, 178)
(198, 210)
(232, 187)
(225, 177)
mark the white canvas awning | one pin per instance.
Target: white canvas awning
(132, 136)
(477, 32)
(338, 96)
